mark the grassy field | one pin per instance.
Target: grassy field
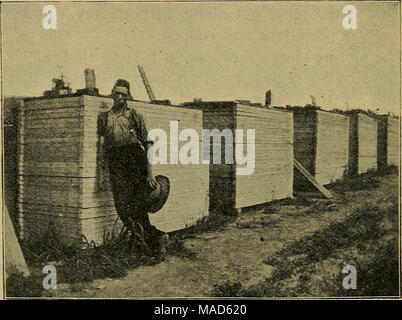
(290, 248)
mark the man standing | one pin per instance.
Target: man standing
(123, 138)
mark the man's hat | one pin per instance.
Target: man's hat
(158, 197)
(122, 86)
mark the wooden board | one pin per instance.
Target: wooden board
(13, 256)
(312, 180)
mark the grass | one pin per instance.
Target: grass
(178, 249)
(117, 254)
(19, 285)
(295, 265)
(87, 261)
(362, 225)
(211, 223)
(386, 171)
(365, 181)
(228, 289)
(379, 277)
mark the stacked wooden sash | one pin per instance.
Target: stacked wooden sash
(272, 178)
(58, 172)
(321, 143)
(388, 141)
(11, 106)
(362, 143)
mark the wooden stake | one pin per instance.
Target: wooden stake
(312, 180)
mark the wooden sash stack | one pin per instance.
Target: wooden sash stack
(321, 143)
(272, 177)
(388, 141)
(58, 187)
(362, 143)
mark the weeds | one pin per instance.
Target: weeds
(211, 223)
(389, 170)
(379, 277)
(88, 260)
(362, 225)
(295, 265)
(365, 181)
(227, 289)
(18, 285)
(178, 249)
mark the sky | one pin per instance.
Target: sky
(213, 51)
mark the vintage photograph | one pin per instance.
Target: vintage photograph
(201, 150)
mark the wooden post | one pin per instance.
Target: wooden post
(90, 80)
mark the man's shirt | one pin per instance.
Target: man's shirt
(122, 128)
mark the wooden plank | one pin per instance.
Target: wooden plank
(311, 179)
(13, 257)
(55, 103)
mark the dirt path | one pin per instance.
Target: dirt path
(236, 253)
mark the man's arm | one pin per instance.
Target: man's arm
(143, 135)
(101, 166)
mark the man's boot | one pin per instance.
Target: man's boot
(163, 243)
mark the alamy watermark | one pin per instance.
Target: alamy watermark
(50, 280)
(350, 20)
(49, 22)
(349, 282)
(189, 153)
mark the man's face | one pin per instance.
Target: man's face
(119, 98)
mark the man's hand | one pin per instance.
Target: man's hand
(151, 182)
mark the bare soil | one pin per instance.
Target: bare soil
(238, 253)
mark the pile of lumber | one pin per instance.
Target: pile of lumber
(58, 189)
